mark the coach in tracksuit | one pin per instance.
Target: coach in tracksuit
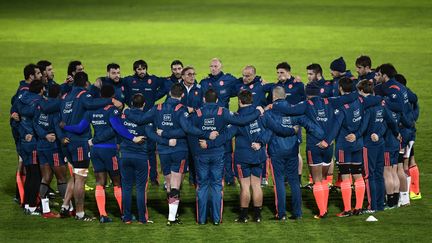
(224, 84)
(72, 111)
(378, 120)
(151, 87)
(209, 162)
(283, 152)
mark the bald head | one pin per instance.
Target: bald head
(215, 66)
(249, 74)
(278, 93)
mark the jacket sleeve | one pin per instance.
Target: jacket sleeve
(394, 102)
(58, 131)
(237, 119)
(291, 110)
(188, 126)
(91, 103)
(79, 128)
(142, 118)
(391, 124)
(40, 132)
(278, 129)
(150, 131)
(311, 127)
(223, 138)
(338, 118)
(116, 123)
(364, 124)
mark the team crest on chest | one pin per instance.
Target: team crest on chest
(196, 93)
(221, 83)
(251, 86)
(149, 81)
(322, 90)
(134, 81)
(290, 86)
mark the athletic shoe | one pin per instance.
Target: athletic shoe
(241, 220)
(344, 214)
(308, 186)
(88, 188)
(389, 208)
(146, 222)
(415, 196)
(171, 223)
(32, 213)
(368, 211)
(105, 219)
(50, 215)
(216, 223)
(85, 218)
(154, 183)
(132, 219)
(280, 218)
(264, 182)
(320, 216)
(357, 212)
(64, 213)
(292, 217)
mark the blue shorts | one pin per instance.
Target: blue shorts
(79, 153)
(318, 156)
(391, 158)
(105, 160)
(349, 157)
(175, 162)
(52, 157)
(28, 153)
(244, 170)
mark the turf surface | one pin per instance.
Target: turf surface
(256, 32)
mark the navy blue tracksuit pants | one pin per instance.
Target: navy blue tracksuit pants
(135, 170)
(209, 171)
(281, 168)
(373, 157)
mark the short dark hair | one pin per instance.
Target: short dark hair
(284, 65)
(366, 86)
(54, 91)
(176, 62)
(36, 86)
(72, 67)
(138, 63)
(80, 79)
(112, 66)
(346, 84)
(210, 96)
(401, 79)
(29, 69)
(315, 67)
(187, 68)
(138, 100)
(107, 91)
(387, 69)
(245, 97)
(177, 90)
(363, 61)
(43, 64)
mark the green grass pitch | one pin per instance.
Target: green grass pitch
(258, 32)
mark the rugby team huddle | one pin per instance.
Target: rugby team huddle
(365, 125)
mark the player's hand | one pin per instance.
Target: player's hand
(98, 83)
(65, 140)
(399, 137)
(28, 137)
(213, 135)
(69, 79)
(62, 124)
(296, 129)
(172, 142)
(268, 107)
(15, 116)
(374, 137)
(138, 139)
(260, 109)
(159, 132)
(190, 109)
(350, 137)
(117, 103)
(51, 137)
(256, 146)
(297, 79)
(323, 144)
(90, 142)
(203, 143)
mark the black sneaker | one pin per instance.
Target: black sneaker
(64, 213)
(241, 219)
(321, 216)
(292, 217)
(257, 219)
(171, 223)
(344, 214)
(85, 218)
(357, 212)
(283, 218)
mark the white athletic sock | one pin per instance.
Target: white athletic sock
(32, 209)
(45, 205)
(80, 214)
(173, 206)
